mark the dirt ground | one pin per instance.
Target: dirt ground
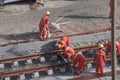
(19, 22)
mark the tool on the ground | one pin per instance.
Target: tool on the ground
(59, 19)
(56, 25)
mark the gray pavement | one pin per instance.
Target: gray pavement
(85, 15)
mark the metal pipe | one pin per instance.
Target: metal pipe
(113, 39)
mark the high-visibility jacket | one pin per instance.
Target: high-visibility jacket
(109, 47)
(44, 21)
(118, 47)
(100, 58)
(68, 52)
(80, 60)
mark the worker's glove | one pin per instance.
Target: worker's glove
(108, 53)
(49, 24)
(72, 65)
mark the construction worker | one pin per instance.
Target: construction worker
(118, 51)
(79, 59)
(118, 47)
(100, 58)
(109, 46)
(68, 52)
(110, 5)
(64, 41)
(43, 25)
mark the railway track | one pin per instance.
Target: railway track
(36, 39)
(35, 63)
(31, 65)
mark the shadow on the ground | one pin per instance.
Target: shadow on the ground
(23, 36)
(49, 46)
(85, 17)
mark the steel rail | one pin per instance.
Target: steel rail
(30, 70)
(37, 55)
(78, 34)
(39, 68)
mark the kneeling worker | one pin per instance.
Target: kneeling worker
(79, 59)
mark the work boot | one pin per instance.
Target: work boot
(76, 73)
(41, 38)
(44, 38)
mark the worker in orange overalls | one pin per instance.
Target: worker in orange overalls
(110, 4)
(79, 59)
(64, 41)
(43, 25)
(64, 44)
(68, 52)
(118, 47)
(109, 46)
(118, 51)
(100, 58)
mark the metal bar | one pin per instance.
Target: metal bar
(33, 40)
(113, 39)
(31, 70)
(42, 68)
(36, 55)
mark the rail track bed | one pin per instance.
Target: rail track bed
(33, 65)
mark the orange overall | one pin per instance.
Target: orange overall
(109, 46)
(64, 41)
(100, 58)
(68, 52)
(80, 60)
(118, 47)
(43, 27)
